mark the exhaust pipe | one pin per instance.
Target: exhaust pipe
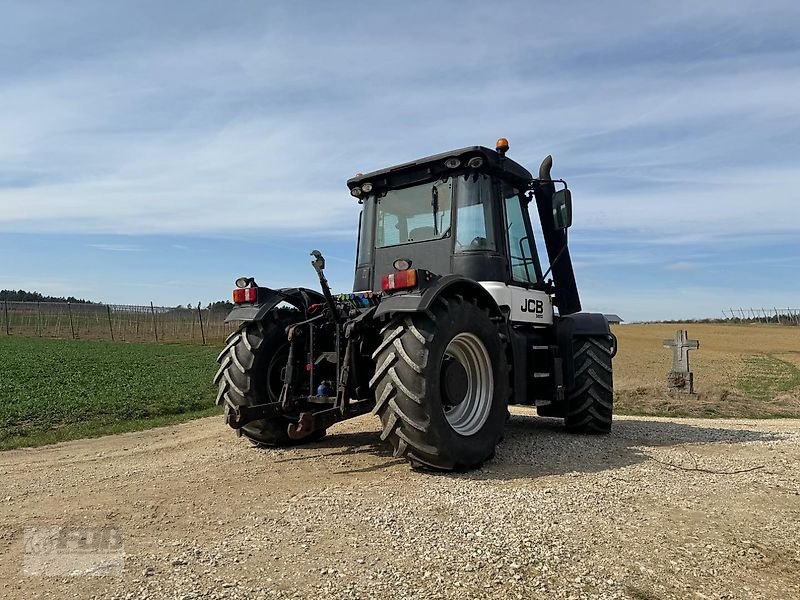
(555, 240)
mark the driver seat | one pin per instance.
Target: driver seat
(421, 233)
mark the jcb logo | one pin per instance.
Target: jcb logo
(532, 306)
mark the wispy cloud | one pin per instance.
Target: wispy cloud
(258, 131)
(677, 123)
(116, 248)
(682, 266)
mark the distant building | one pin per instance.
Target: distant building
(614, 319)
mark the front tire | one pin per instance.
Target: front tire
(441, 385)
(250, 374)
(590, 403)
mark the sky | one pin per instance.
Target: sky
(155, 151)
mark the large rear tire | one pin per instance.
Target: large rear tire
(590, 403)
(441, 385)
(250, 374)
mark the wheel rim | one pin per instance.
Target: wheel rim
(468, 416)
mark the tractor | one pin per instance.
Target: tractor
(451, 319)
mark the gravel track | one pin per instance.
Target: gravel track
(630, 515)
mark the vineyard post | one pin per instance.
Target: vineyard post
(71, 324)
(202, 331)
(155, 329)
(110, 328)
(38, 319)
(5, 305)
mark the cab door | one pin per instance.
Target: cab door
(527, 305)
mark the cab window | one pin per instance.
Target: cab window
(474, 229)
(414, 214)
(521, 257)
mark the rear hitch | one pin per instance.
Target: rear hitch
(239, 416)
(309, 422)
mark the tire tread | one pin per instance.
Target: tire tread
(591, 399)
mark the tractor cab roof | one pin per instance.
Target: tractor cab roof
(432, 167)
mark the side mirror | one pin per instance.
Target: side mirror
(562, 209)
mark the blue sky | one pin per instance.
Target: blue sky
(157, 150)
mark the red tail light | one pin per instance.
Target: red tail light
(399, 281)
(243, 295)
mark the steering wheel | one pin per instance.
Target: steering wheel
(478, 243)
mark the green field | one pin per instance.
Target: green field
(53, 390)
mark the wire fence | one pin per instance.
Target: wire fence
(781, 316)
(137, 323)
(116, 322)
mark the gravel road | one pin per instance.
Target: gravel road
(656, 510)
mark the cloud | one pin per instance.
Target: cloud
(227, 133)
(677, 125)
(116, 248)
(682, 266)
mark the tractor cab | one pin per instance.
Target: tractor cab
(463, 212)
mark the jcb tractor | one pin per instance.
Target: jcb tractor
(451, 320)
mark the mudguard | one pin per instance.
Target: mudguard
(268, 299)
(590, 324)
(421, 300)
(586, 324)
(578, 325)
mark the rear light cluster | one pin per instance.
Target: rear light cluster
(399, 281)
(242, 295)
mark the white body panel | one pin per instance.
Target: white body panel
(526, 306)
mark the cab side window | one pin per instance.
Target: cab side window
(523, 269)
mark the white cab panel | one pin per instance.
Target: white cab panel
(527, 306)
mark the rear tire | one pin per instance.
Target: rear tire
(250, 374)
(441, 385)
(590, 404)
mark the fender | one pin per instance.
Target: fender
(268, 299)
(592, 324)
(580, 325)
(421, 300)
(586, 324)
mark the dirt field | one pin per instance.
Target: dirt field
(740, 371)
(203, 515)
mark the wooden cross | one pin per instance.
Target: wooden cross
(681, 378)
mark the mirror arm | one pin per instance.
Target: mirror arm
(555, 260)
(534, 183)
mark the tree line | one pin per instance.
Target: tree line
(25, 296)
